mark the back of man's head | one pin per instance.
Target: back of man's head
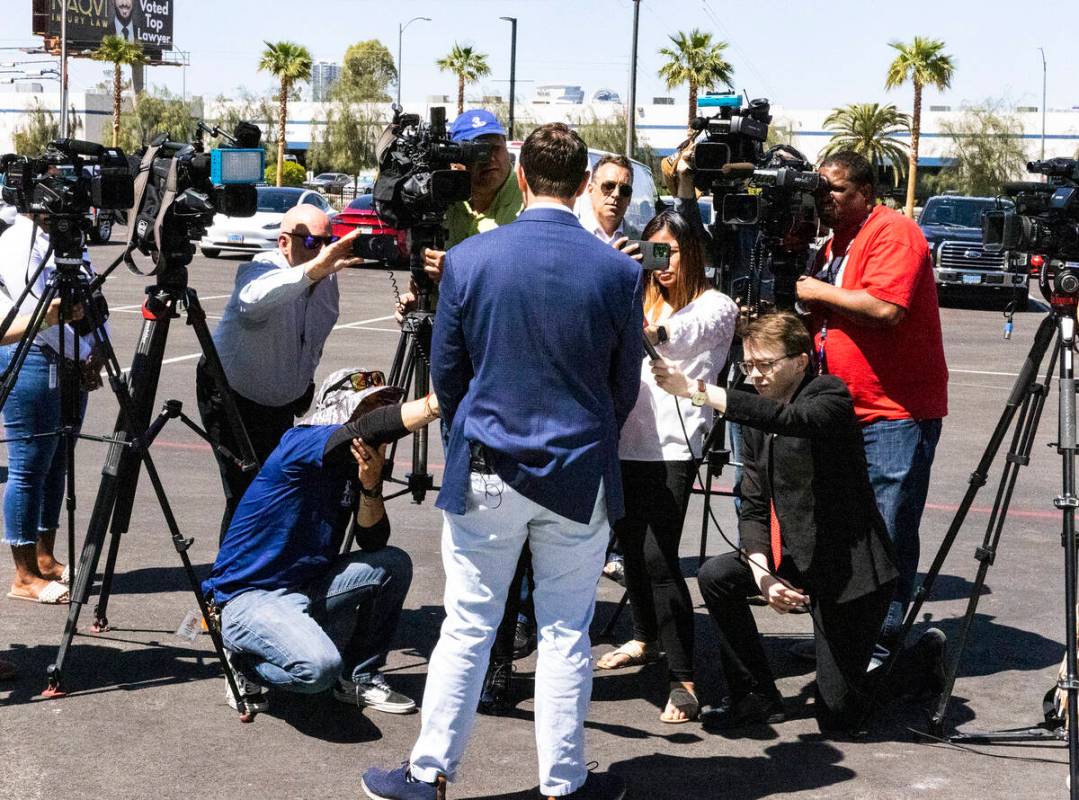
(554, 160)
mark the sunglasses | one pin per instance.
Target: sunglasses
(312, 242)
(625, 190)
(361, 380)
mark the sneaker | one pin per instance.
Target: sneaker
(749, 709)
(598, 786)
(495, 701)
(375, 693)
(398, 784)
(524, 639)
(256, 696)
(927, 657)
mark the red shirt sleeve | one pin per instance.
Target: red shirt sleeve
(892, 270)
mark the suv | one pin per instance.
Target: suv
(953, 227)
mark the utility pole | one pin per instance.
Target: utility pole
(631, 105)
(1043, 100)
(513, 70)
(63, 70)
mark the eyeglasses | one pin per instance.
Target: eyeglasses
(763, 367)
(361, 380)
(625, 190)
(312, 242)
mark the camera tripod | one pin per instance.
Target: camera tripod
(1027, 400)
(412, 361)
(130, 443)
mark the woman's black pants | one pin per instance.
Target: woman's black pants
(657, 493)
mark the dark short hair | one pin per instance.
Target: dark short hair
(617, 160)
(555, 160)
(859, 171)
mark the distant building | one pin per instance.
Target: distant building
(606, 96)
(559, 94)
(324, 75)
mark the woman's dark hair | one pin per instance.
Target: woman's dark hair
(554, 159)
(691, 282)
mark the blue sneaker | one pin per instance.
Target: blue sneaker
(398, 784)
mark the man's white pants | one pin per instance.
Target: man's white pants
(479, 553)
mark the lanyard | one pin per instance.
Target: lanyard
(833, 274)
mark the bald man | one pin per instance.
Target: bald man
(282, 309)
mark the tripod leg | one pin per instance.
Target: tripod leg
(709, 474)
(1017, 399)
(1067, 503)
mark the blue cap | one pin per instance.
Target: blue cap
(474, 123)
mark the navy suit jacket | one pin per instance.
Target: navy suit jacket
(537, 354)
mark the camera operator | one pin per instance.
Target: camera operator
(295, 615)
(38, 461)
(495, 200)
(283, 307)
(877, 327)
(811, 533)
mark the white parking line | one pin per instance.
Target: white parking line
(138, 306)
(982, 372)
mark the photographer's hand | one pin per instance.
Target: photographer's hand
(406, 302)
(52, 313)
(672, 380)
(631, 249)
(781, 596)
(433, 261)
(333, 258)
(370, 461)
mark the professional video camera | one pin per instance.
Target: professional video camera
(179, 187)
(1045, 223)
(59, 187)
(770, 193)
(416, 182)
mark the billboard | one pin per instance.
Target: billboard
(148, 22)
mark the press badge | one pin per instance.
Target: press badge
(52, 375)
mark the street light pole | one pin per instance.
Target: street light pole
(63, 70)
(631, 105)
(513, 69)
(1043, 101)
(400, 37)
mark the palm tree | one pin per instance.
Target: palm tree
(870, 130)
(697, 60)
(924, 63)
(119, 51)
(468, 65)
(288, 62)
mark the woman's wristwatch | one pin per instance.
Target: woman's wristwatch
(699, 397)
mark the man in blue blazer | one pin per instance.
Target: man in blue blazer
(536, 361)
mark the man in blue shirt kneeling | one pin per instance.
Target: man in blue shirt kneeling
(295, 613)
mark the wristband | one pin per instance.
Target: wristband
(661, 334)
(375, 493)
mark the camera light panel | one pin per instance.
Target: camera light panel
(231, 165)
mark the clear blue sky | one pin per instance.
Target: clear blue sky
(813, 53)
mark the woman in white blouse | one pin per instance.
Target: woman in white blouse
(691, 325)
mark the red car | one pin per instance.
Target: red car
(360, 213)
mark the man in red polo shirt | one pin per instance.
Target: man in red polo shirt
(877, 326)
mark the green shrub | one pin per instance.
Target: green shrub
(292, 174)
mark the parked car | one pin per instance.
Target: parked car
(953, 227)
(329, 182)
(258, 233)
(360, 213)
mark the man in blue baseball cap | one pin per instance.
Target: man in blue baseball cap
(495, 199)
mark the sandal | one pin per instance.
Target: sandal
(632, 654)
(54, 594)
(685, 701)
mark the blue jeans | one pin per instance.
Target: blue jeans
(36, 467)
(339, 625)
(899, 454)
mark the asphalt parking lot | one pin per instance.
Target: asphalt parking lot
(145, 716)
